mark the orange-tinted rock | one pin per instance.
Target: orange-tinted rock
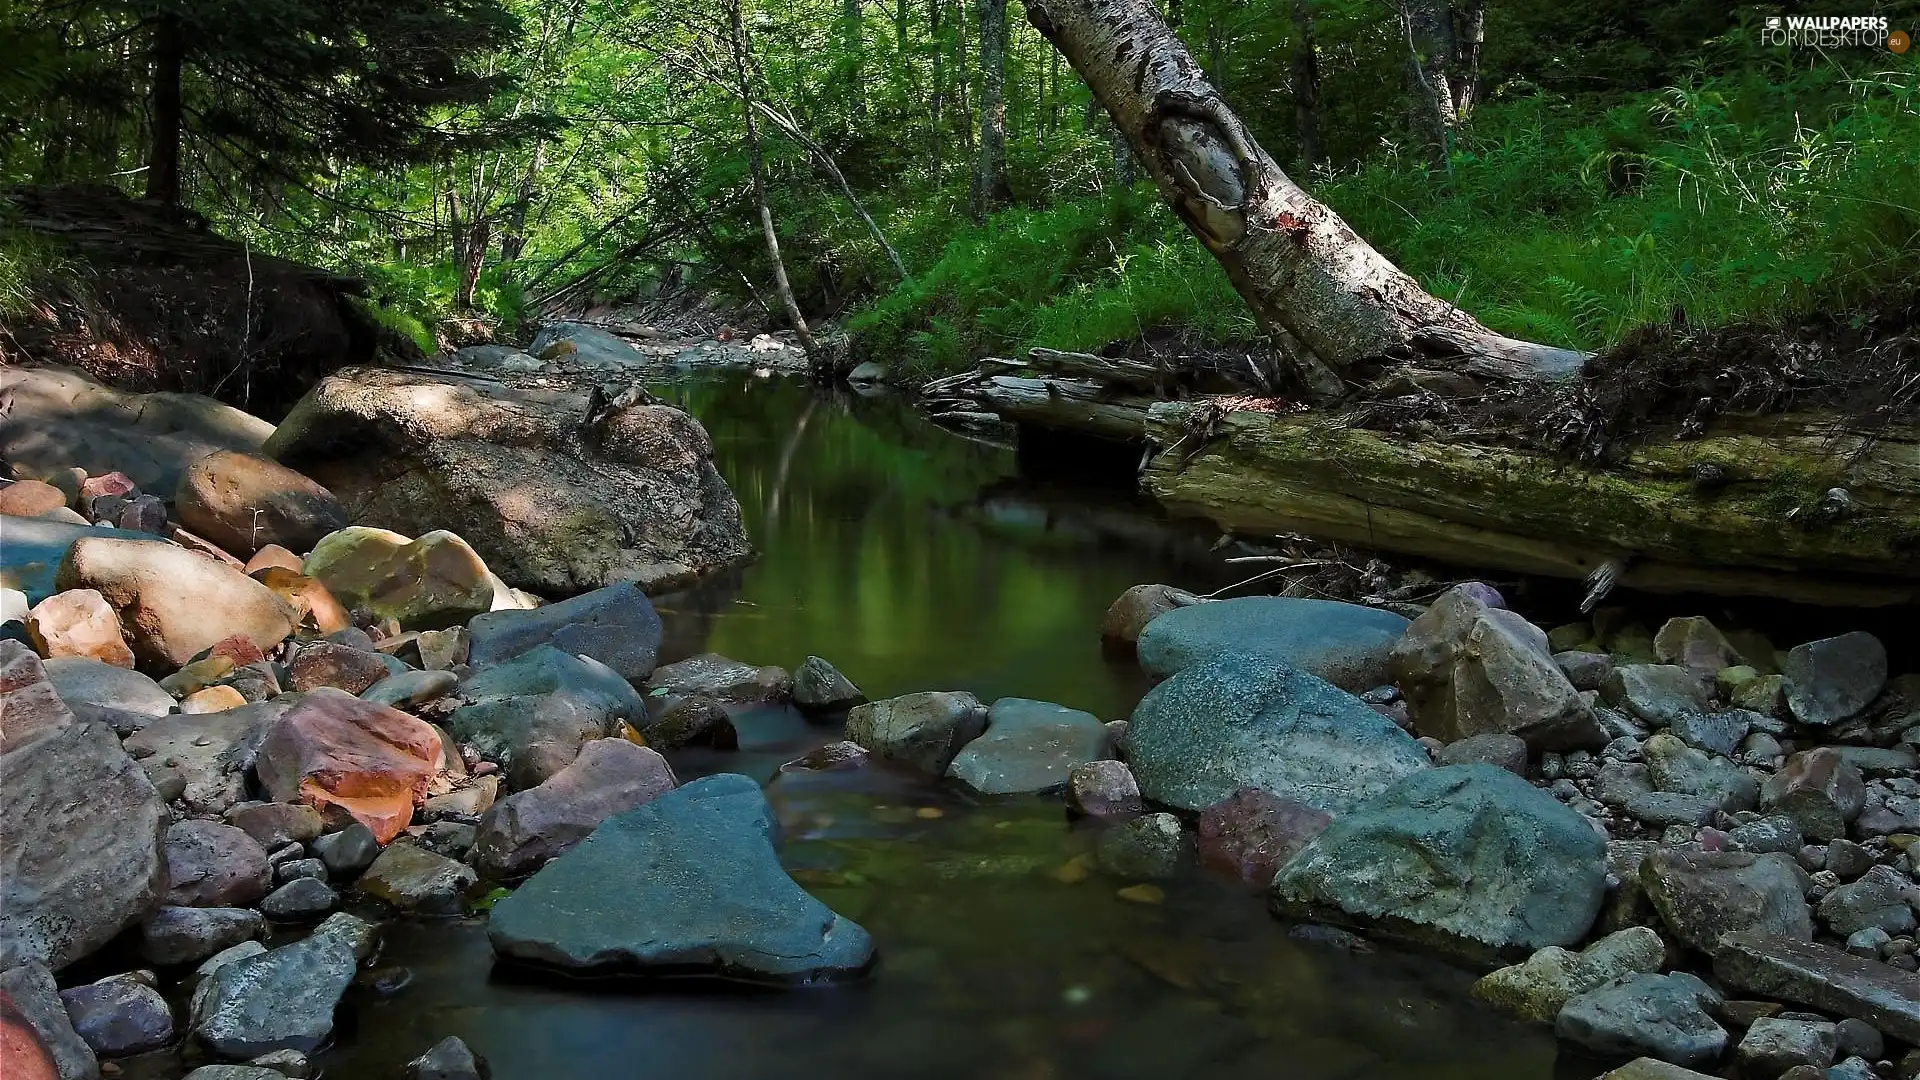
(431, 583)
(29, 705)
(172, 603)
(273, 555)
(22, 1056)
(78, 622)
(327, 663)
(333, 750)
(244, 503)
(238, 649)
(315, 606)
(30, 498)
(212, 699)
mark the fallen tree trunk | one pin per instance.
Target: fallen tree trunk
(1308, 278)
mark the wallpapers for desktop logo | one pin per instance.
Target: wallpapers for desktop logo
(1834, 32)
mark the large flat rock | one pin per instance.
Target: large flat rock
(1822, 977)
(686, 884)
(1345, 644)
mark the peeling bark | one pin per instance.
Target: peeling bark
(1301, 269)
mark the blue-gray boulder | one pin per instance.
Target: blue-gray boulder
(1345, 644)
(615, 625)
(1659, 1016)
(1029, 746)
(533, 712)
(686, 884)
(1242, 721)
(1466, 858)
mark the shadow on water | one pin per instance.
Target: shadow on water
(917, 560)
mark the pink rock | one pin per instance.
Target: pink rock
(29, 705)
(79, 622)
(212, 865)
(333, 750)
(1251, 833)
(325, 663)
(524, 830)
(1103, 789)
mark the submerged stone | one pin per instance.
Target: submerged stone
(1345, 644)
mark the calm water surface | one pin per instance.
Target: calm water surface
(917, 560)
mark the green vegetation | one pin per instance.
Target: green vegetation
(1613, 162)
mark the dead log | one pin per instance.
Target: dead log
(1770, 526)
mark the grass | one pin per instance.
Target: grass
(33, 267)
(1755, 197)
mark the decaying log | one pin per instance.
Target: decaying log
(1067, 404)
(1768, 528)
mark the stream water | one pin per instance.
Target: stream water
(914, 559)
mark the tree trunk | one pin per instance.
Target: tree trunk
(852, 42)
(1301, 269)
(990, 186)
(163, 157)
(758, 169)
(514, 240)
(1429, 30)
(1306, 85)
(476, 257)
(783, 119)
(1469, 37)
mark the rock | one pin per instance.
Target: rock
(444, 649)
(1674, 766)
(472, 800)
(1662, 1016)
(1818, 790)
(526, 829)
(1345, 644)
(1103, 789)
(1694, 643)
(687, 882)
(282, 999)
(119, 1016)
(201, 751)
(1765, 694)
(1766, 834)
(300, 899)
(30, 498)
(1847, 859)
(1537, 988)
(1585, 670)
(1656, 693)
(348, 852)
(1250, 834)
(235, 1072)
(615, 625)
(925, 730)
(294, 869)
(1121, 626)
(275, 825)
(818, 687)
(1470, 669)
(313, 606)
(80, 850)
(172, 603)
(414, 879)
(1715, 733)
(431, 583)
(30, 559)
(1823, 978)
(1144, 847)
(637, 500)
(1663, 808)
(210, 865)
(411, 689)
(324, 663)
(182, 935)
(715, 676)
(1242, 721)
(1773, 1045)
(1879, 761)
(272, 555)
(1702, 895)
(450, 1059)
(212, 699)
(692, 721)
(1652, 1069)
(332, 749)
(1835, 678)
(197, 675)
(1495, 748)
(543, 698)
(78, 623)
(35, 999)
(1468, 858)
(1028, 746)
(1882, 898)
(30, 705)
(1857, 1038)
(244, 503)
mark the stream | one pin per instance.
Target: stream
(914, 559)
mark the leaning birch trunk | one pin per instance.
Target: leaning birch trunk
(1301, 269)
(756, 167)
